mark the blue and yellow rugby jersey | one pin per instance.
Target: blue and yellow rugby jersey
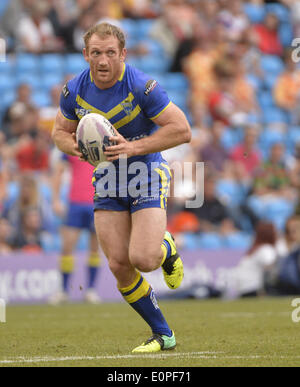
(130, 105)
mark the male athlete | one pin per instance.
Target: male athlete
(79, 216)
(131, 231)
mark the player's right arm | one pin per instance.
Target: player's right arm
(63, 135)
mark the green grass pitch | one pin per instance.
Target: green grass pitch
(209, 333)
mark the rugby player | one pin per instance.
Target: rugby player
(79, 216)
(131, 231)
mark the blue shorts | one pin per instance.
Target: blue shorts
(147, 188)
(80, 216)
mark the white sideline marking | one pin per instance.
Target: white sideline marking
(194, 355)
(48, 359)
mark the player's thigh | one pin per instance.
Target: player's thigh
(113, 232)
(147, 234)
(70, 236)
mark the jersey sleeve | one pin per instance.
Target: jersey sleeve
(153, 98)
(67, 103)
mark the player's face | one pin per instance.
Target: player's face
(106, 60)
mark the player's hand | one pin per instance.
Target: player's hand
(76, 150)
(122, 148)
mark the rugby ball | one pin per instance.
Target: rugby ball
(92, 136)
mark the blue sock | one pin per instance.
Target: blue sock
(92, 276)
(66, 281)
(141, 297)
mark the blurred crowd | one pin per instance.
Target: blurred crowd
(238, 82)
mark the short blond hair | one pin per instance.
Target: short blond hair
(104, 30)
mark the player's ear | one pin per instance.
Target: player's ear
(85, 54)
(123, 55)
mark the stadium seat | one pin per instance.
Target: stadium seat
(286, 34)
(154, 47)
(270, 137)
(7, 67)
(190, 241)
(257, 206)
(265, 99)
(255, 13)
(176, 82)
(133, 61)
(47, 82)
(272, 64)
(230, 192)
(293, 138)
(27, 63)
(210, 241)
(150, 64)
(278, 212)
(51, 243)
(274, 114)
(74, 64)
(7, 82)
(254, 81)
(52, 63)
(3, 6)
(237, 240)
(131, 28)
(32, 79)
(282, 12)
(230, 139)
(41, 99)
(7, 98)
(144, 27)
(179, 98)
(270, 81)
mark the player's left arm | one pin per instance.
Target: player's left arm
(174, 130)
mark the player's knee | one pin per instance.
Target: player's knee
(118, 268)
(145, 262)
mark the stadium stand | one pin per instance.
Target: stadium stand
(276, 125)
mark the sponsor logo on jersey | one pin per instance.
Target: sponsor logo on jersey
(65, 91)
(82, 112)
(127, 106)
(150, 86)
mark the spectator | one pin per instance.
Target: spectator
(3, 172)
(78, 216)
(246, 156)
(267, 36)
(32, 153)
(199, 69)
(245, 52)
(35, 32)
(249, 274)
(214, 155)
(232, 98)
(5, 235)
(76, 31)
(272, 179)
(287, 87)
(290, 240)
(234, 20)
(170, 30)
(213, 215)
(61, 14)
(18, 107)
(28, 236)
(29, 196)
(47, 114)
(295, 168)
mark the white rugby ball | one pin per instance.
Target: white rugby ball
(92, 134)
